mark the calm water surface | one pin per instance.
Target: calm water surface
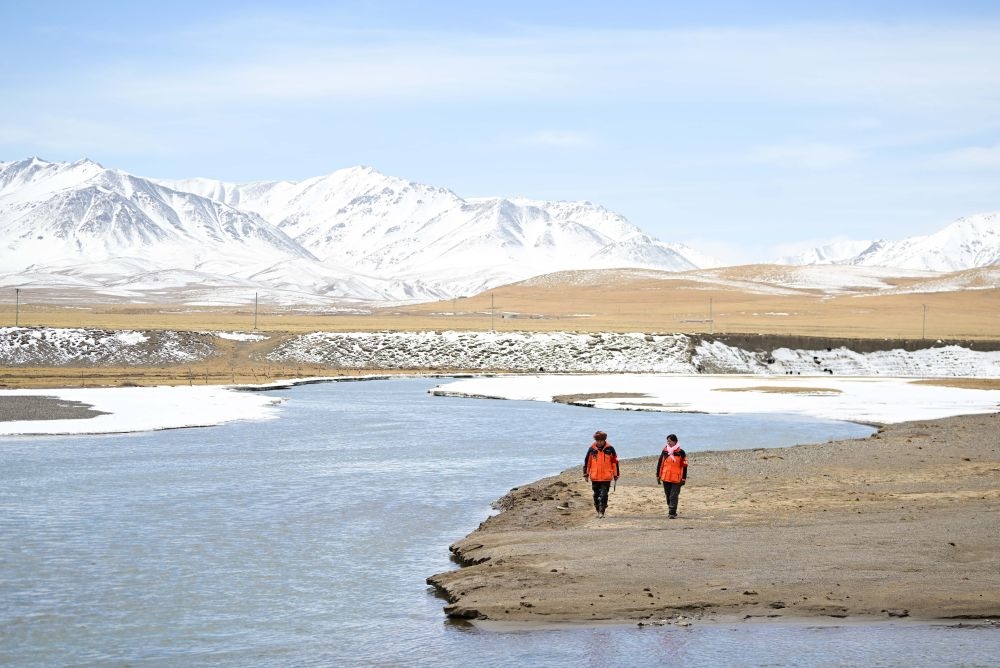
(307, 540)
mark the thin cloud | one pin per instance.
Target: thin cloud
(973, 157)
(73, 136)
(809, 156)
(558, 139)
(926, 68)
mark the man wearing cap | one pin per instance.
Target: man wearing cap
(600, 467)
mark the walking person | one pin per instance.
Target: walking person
(672, 470)
(600, 467)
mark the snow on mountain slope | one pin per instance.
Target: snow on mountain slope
(68, 214)
(379, 224)
(359, 234)
(832, 253)
(968, 242)
(979, 278)
(829, 279)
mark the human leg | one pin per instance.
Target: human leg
(601, 490)
(672, 491)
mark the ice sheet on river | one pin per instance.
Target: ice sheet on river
(858, 399)
(130, 409)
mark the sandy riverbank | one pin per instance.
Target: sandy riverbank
(903, 524)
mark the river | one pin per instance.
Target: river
(307, 540)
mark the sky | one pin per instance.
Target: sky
(744, 130)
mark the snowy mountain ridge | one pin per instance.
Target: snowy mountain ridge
(66, 214)
(355, 233)
(378, 224)
(973, 241)
(351, 234)
(967, 243)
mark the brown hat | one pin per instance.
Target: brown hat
(600, 436)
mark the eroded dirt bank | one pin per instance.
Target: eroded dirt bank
(903, 524)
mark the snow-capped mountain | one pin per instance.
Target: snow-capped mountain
(969, 242)
(65, 214)
(382, 225)
(833, 253)
(354, 234)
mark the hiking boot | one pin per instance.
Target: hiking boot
(672, 516)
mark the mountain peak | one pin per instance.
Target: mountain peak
(357, 232)
(87, 162)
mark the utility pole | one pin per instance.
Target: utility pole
(255, 311)
(17, 306)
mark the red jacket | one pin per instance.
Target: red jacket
(601, 464)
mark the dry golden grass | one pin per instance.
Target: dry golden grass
(730, 300)
(742, 300)
(964, 383)
(238, 362)
(656, 302)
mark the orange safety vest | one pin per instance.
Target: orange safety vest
(673, 471)
(601, 464)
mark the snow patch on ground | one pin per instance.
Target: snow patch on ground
(239, 336)
(131, 409)
(944, 361)
(864, 400)
(611, 352)
(491, 351)
(52, 346)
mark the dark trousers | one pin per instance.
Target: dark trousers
(601, 490)
(672, 490)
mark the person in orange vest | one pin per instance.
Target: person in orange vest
(600, 467)
(672, 471)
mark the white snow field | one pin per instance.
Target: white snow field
(837, 383)
(864, 400)
(131, 409)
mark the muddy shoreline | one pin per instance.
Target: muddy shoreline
(902, 525)
(41, 407)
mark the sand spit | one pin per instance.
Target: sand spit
(905, 523)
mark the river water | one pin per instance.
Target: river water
(306, 540)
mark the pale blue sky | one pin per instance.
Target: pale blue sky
(724, 125)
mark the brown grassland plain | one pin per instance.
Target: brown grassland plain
(581, 301)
